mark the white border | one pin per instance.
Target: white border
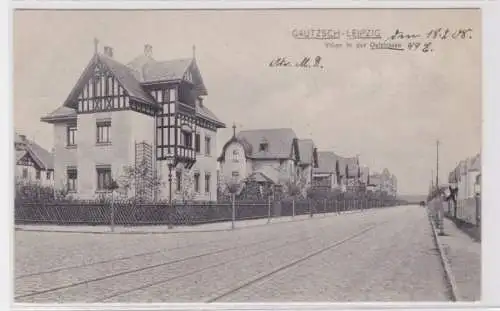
(490, 156)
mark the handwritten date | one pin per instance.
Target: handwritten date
(305, 62)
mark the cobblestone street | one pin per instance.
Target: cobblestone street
(376, 255)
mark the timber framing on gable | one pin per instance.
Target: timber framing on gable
(100, 89)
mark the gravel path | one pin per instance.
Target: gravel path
(392, 259)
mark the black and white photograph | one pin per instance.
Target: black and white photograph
(246, 156)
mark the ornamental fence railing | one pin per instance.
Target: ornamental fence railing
(130, 213)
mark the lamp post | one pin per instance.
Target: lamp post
(112, 187)
(171, 164)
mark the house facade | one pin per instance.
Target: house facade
(33, 163)
(325, 175)
(384, 182)
(337, 172)
(465, 175)
(267, 156)
(136, 123)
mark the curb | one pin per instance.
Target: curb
(455, 295)
(172, 232)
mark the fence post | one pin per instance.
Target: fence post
(310, 208)
(478, 208)
(269, 209)
(112, 211)
(324, 207)
(233, 211)
(293, 208)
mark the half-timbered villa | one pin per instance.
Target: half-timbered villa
(147, 115)
(33, 163)
(267, 157)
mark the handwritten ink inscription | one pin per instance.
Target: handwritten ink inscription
(375, 39)
(305, 62)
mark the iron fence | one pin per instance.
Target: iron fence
(130, 213)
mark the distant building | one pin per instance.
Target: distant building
(33, 163)
(267, 157)
(145, 114)
(325, 176)
(465, 175)
(384, 182)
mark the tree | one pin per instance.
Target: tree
(187, 192)
(297, 186)
(230, 186)
(142, 179)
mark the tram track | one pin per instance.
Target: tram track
(286, 266)
(143, 268)
(243, 258)
(119, 258)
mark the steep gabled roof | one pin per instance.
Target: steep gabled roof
(204, 112)
(352, 166)
(280, 142)
(42, 158)
(148, 70)
(306, 151)
(327, 161)
(122, 73)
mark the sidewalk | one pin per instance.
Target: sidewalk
(463, 255)
(211, 227)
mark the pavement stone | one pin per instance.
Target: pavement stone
(464, 256)
(394, 261)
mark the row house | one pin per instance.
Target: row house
(268, 157)
(147, 116)
(33, 163)
(465, 176)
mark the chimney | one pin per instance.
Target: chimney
(148, 50)
(108, 51)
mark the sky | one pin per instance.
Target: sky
(387, 106)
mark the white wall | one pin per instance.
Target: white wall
(89, 154)
(63, 156)
(231, 164)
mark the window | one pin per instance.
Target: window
(207, 182)
(172, 95)
(72, 178)
(70, 135)
(236, 174)
(207, 146)
(263, 147)
(197, 182)
(104, 132)
(178, 179)
(197, 143)
(187, 139)
(48, 175)
(25, 173)
(103, 178)
(38, 174)
(236, 155)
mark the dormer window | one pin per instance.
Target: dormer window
(264, 146)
